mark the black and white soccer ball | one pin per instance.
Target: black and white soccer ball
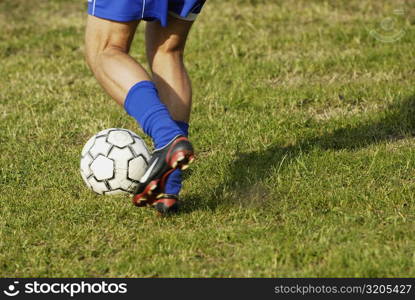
(113, 161)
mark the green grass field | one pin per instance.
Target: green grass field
(303, 124)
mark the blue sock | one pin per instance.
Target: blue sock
(144, 105)
(174, 182)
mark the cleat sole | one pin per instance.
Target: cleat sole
(146, 197)
(182, 160)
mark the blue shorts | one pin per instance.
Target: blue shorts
(129, 10)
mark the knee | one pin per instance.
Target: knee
(172, 47)
(167, 54)
(95, 54)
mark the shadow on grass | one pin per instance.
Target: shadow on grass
(250, 169)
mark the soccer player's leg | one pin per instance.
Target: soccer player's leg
(107, 45)
(165, 48)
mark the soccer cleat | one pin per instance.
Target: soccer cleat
(178, 154)
(166, 204)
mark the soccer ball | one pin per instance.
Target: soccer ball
(113, 161)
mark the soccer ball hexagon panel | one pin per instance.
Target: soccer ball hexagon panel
(113, 160)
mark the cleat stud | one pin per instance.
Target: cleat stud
(139, 202)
